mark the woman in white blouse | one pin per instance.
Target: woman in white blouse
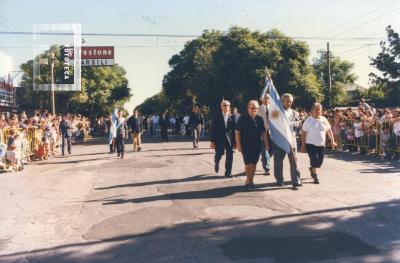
(313, 136)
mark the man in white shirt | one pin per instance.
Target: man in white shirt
(186, 123)
(279, 154)
(265, 155)
(314, 131)
(156, 120)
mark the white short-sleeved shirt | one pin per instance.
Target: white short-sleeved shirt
(316, 130)
(396, 128)
(358, 131)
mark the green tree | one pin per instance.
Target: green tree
(388, 63)
(232, 65)
(102, 89)
(341, 75)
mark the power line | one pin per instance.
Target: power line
(180, 36)
(357, 18)
(353, 49)
(118, 46)
(4, 21)
(366, 22)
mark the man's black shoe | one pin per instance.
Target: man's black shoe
(280, 184)
(316, 180)
(296, 185)
(216, 168)
(228, 176)
(266, 172)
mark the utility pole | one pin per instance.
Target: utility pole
(328, 58)
(53, 104)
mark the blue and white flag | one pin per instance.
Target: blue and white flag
(113, 127)
(279, 126)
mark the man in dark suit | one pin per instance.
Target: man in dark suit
(66, 133)
(164, 124)
(121, 134)
(223, 137)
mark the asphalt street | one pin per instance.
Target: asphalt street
(166, 204)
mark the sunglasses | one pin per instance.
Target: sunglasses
(226, 105)
(254, 108)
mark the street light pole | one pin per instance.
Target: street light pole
(53, 105)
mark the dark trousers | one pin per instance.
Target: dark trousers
(112, 147)
(120, 144)
(266, 156)
(279, 155)
(316, 154)
(164, 135)
(360, 141)
(219, 151)
(68, 141)
(187, 130)
(196, 135)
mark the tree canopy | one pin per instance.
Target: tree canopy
(232, 65)
(387, 83)
(102, 89)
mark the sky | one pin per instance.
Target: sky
(354, 29)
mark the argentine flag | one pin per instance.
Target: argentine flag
(113, 127)
(281, 133)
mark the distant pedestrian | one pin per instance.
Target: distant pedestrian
(135, 125)
(156, 124)
(121, 134)
(265, 154)
(186, 124)
(66, 134)
(196, 123)
(164, 124)
(236, 113)
(112, 130)
(250, 135)
(313, 136)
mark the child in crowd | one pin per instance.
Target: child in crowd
(359, 133)
(386, 151)
(42, 151)
(350, 138)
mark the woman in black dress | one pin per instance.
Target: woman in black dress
(250, 134)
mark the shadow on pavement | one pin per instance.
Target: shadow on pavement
(383, 167)
(218, 192)
(201, 177)
(292, 239)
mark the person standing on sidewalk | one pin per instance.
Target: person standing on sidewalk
(313, 134)
(250, 134)
(135, 125)
(156, 124)
(164, 124)
(265, 154)
(279, 154)
(196, 122)
(121, 134)
(66, 133)
(222, 137)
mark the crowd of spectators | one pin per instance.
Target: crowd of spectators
(365, 130)
(24, 139)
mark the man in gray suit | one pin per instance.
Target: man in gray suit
(279, 154)
(66, 133)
